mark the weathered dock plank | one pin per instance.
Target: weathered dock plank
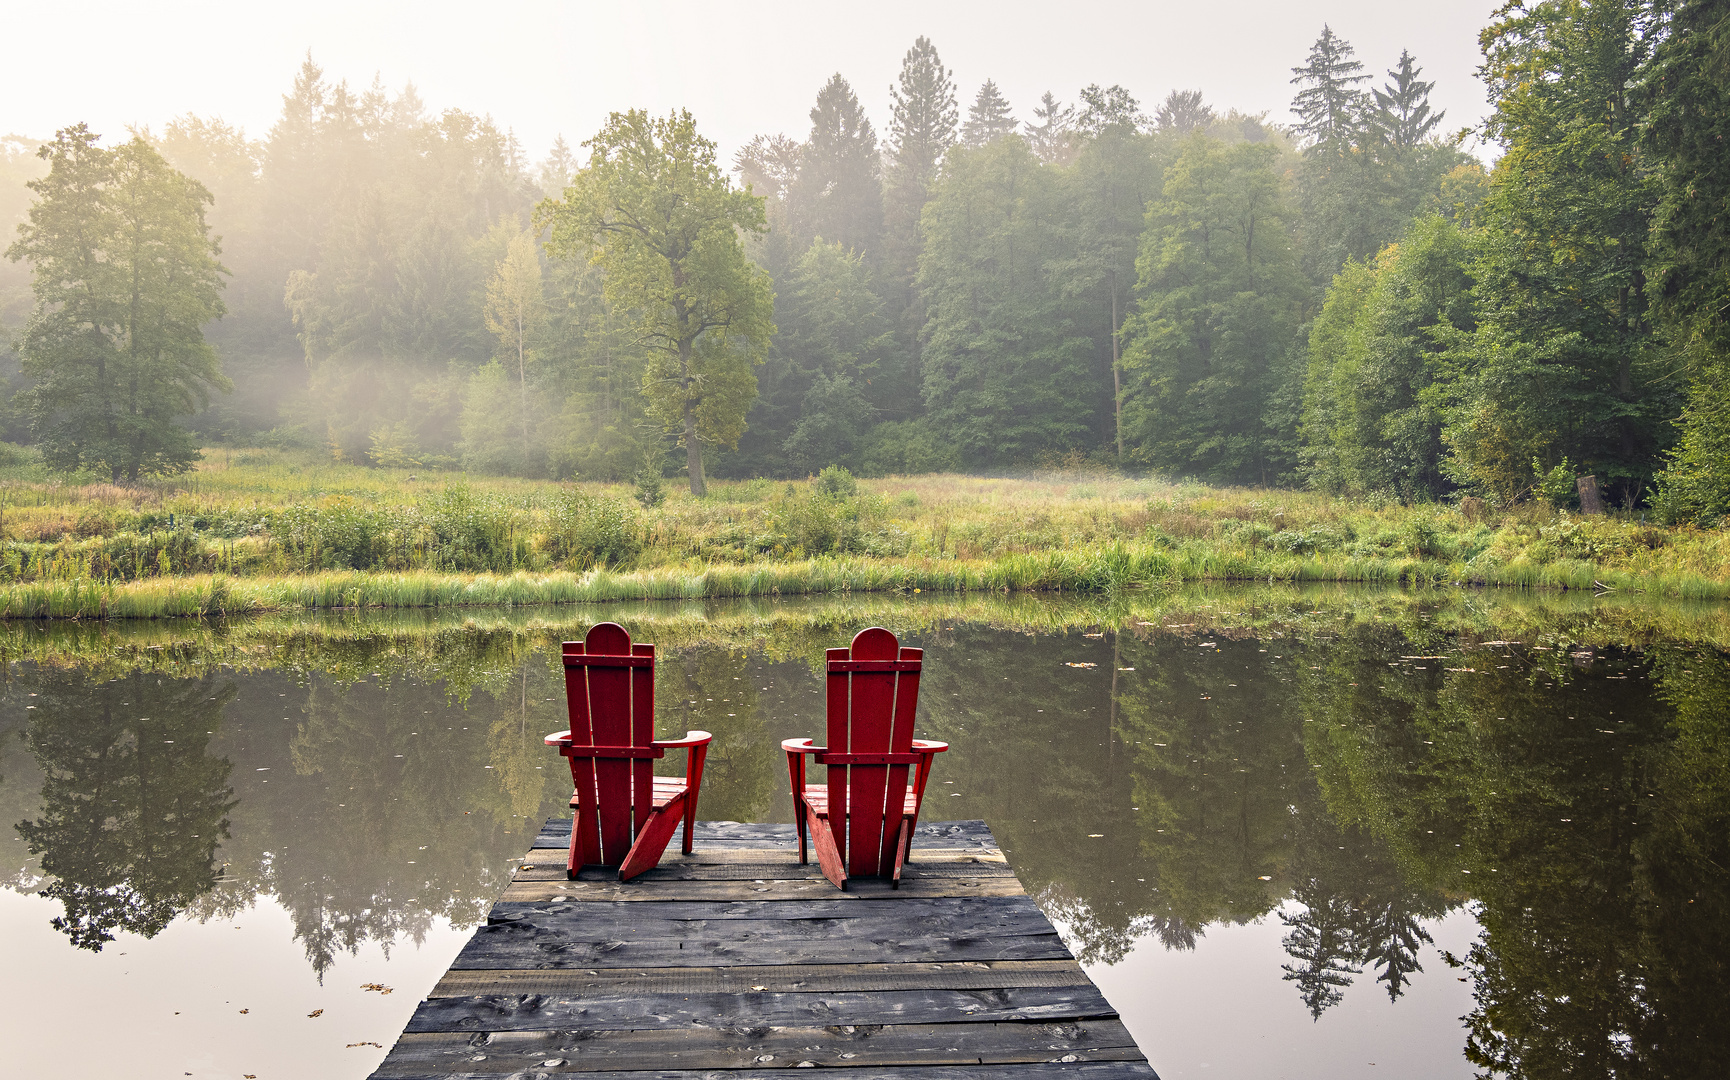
(736, 960)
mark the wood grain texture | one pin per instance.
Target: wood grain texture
(735, 961)
(604, 1012)
(843, 1046)
(781, 978)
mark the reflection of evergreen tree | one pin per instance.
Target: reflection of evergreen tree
(1324, 944)
(132, 805)
(1391, 935)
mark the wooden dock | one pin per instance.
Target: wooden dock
(736, 960)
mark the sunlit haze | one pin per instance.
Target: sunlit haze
(543, 69)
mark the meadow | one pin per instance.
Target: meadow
(259, 531)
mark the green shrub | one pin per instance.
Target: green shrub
(837, 483)
(590, 530)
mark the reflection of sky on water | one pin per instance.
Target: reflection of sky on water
(77, 1014)
(1181, 791)
(1222, 1010)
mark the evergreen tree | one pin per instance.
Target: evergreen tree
(1322, 940)
(1330, 108)
(1402, 108)
(1182, 112)
(125, 276)
(921, 131)
(988, 118)
(1053, 137)
(838, 193)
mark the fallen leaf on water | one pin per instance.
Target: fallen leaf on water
(243, 1012)
(353, 1045)
(758, 987)
(380, 987)
(315, 1012)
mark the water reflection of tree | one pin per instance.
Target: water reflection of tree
(1586, 818)
(133, 806)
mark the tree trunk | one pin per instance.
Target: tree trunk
(1590, 501)
(694, 452)
(1116, 376)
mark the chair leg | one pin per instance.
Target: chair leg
(652, 839)
(828, 855)
(902, 843)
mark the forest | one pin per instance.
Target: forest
(1351, 303)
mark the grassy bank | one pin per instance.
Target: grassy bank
(255, 532)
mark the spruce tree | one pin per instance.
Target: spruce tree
(1402, 108)
(839, 193)
(1052, 138)
(1330, 107)
(989, 118)
(921, 131)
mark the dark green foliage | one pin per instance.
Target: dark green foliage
(125, 277)
(1217, 311)
(1004, 351)
(1688, 280)
(133, 804)
(1565, 359)
(1379, 347)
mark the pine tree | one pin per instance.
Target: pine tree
(1052, 139)
(557, 169)
(989, 118)
(1330, 108)
(839, 194)
(1183, 112)
(921, 131)
(1322, 940)
(1402, 111)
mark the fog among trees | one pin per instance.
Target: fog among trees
(1351, 302)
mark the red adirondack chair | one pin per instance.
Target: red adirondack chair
(867, 807)
(624, 814)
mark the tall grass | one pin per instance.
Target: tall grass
(258, 531)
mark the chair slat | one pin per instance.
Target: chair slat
(871, 704)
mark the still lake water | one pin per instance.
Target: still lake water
(1316, 833)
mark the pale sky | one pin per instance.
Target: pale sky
(545, 68)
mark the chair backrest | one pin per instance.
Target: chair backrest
(873, 690)
(610, 690)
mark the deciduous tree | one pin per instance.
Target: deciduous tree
(655, 211)
(125, 277)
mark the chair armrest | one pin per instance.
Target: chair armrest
(927, 746)
(802, 746)
(692, 738)
(558, 737)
